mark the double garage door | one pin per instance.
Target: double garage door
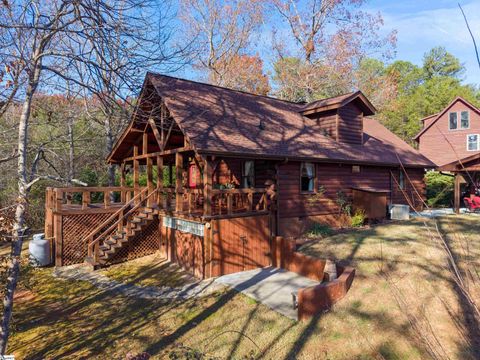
(240, 244)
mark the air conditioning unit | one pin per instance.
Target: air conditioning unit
(399, 212)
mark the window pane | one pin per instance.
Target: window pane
(249, 174)
(307, 176)
(464, 120)
(472, 142)
(401, 180)
(453, 120)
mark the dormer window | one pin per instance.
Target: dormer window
(453, 123)
(464, 120)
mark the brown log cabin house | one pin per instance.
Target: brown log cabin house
(208, 152)
(451, 140)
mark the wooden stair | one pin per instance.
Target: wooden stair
(112, 244)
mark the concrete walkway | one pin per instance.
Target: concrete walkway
(270, 286)
(81, 272)
(433, 213)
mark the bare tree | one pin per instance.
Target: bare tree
(49, 39)
(332, 38)
(221, 29)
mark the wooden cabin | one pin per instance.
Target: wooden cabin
(228, 170)
(451, 140)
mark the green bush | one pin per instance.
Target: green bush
(439, 189)
(358, 219)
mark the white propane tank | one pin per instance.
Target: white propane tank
(39, 249)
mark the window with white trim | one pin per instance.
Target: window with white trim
(464, 120)
(453, 123)
(307, 177)
(472, 142)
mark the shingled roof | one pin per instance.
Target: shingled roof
(217, 120)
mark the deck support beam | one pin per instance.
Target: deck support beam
(160, 181)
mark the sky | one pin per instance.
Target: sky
(423, 24)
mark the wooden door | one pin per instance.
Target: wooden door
(240, 244)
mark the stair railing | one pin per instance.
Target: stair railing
(94, 240)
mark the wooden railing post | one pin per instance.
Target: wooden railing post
(229, 203)
(207, 187)
(106, 199)
(85, 199)
(179, 182)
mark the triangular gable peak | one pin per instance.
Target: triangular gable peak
(443, 112)
(152, 129)
(337, 102)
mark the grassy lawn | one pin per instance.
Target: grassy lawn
(396, 263)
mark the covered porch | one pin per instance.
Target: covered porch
(466, 173)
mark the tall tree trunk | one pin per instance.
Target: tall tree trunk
(22, 200)
(71, 151)
(108, 149)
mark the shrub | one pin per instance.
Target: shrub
(319, 230)
(358, 219)
(439, 189)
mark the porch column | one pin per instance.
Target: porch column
(122, 182)
(178, 182)
(136, 171)
(150, 180)
(456, 192)
(160, 181)
(207, 187)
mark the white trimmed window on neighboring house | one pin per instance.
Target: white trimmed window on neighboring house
(464, 119)
(472, 142)
(453, 121)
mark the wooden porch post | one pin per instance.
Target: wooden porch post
(149, 179)
(136, 170)
(122, 182)
(160, 181)
(145, 143)
(207, 187)
(178, 182)
(456, 193)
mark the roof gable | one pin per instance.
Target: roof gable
(440, 114)
(339, 101)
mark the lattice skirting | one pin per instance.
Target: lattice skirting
(77, 227)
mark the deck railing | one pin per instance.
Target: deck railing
(94, 199)
(59, 199)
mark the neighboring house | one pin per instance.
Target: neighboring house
(451, 135)
(234, 169)
(451, 140)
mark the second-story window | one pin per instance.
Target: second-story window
(307, 177)
(472, 142)
(453, 123)
(464, 120)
